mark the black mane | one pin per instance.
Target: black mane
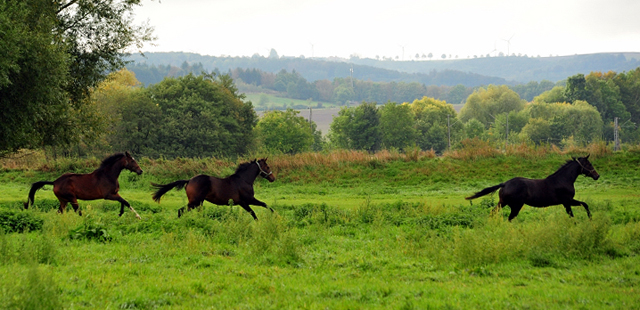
(111, 160)
(244, 166)
(564, 166)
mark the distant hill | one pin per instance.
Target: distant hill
(449, 72)
(310, 69)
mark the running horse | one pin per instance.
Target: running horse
(553, 190)
(99, 184)
(237, 187)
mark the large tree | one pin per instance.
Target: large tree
(357, 128)
(285, 132)
(485, 104)
(53, 54)
(202, 116)
(397, 126)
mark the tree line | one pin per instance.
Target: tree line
(205, 115)
(339, 90)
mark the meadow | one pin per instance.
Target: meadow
(351, 230)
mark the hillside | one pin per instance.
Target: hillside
(468, 72)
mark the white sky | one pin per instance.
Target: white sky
(372, 28)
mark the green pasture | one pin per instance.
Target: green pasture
(375, 234)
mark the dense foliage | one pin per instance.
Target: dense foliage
(54, 53)
(190, 116)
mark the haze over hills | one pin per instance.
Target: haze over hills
(470, 72)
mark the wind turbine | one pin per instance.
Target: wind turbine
(509, 43)
(402, 50)
(494, 49)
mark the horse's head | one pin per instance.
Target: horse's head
(587, 167)
(265, 171)
(131, 164)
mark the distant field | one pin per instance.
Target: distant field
(321, 116)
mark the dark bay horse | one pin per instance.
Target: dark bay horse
(99, 184)
(555, 189)
(237, 187)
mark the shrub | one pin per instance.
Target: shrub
(19, 221)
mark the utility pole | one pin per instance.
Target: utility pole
(616, 138)
(506, 140)
(310, 113)
(449, 131)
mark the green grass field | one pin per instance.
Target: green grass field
(350, 231)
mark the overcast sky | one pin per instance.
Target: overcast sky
(461, 28)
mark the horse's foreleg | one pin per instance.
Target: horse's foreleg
(584, 204)
(248, 209)
(123, 203)
(256, 202)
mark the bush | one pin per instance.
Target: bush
(90, 231)
(19, 221)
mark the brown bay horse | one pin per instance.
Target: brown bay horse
(237, 187)
(99, 184)
(555, 189)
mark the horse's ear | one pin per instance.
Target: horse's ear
(574, 159)
(127, 154)
(588, 156)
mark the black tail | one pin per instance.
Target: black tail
(485, 191)
(32, 193)
(163, 189)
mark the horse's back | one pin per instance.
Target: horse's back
(78, 186)
(533, 192)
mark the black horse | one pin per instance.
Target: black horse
(99, 184)
(237, 187)
(553, 190)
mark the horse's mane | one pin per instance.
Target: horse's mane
(244, 166)
(111, 160)
(564, 166)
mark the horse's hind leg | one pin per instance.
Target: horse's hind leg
(63, 206)
(567, 207)
(76, 207)
(515, 209)
(191, 205)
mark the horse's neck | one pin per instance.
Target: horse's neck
(112, 171)
(249, 175)
(569, 172)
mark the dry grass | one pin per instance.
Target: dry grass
(471, 149)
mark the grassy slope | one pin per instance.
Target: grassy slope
(351, 231)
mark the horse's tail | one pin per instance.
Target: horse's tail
(485, 191)
(163, 189)
(32, 193)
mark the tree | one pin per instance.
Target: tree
(202, 116)
(396, 126)
(629, 85)
(357, 128)
(485, 104)
(537, 130)
(285, 132)
(430, 113)
(578, 121)
(134, 119)
(54, 53)
(605, 96)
